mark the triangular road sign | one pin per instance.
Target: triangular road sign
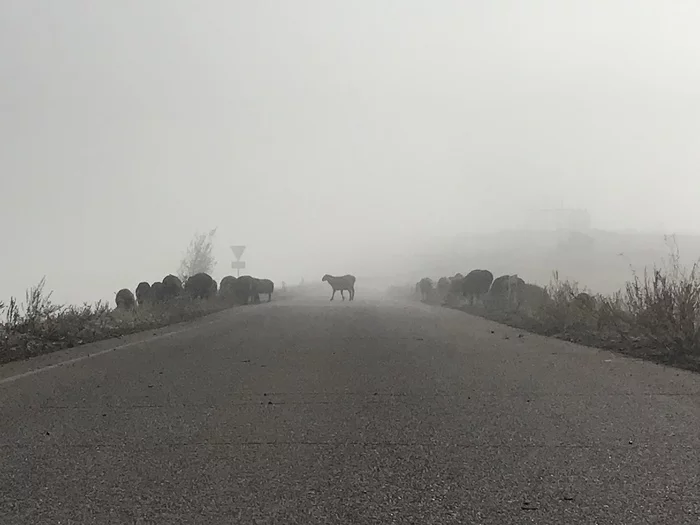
(238, 251)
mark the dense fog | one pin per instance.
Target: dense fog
(387, 139)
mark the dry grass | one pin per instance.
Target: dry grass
(655, 317)
(38, 326)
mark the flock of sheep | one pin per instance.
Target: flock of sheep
(474, 286)
(506, 291)
(477, 285)
(241, 290)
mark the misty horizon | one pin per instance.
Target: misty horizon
(331, 137)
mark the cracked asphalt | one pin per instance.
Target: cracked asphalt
(310, 412)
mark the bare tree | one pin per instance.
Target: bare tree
(199, 256)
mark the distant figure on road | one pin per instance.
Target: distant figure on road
(345, 282)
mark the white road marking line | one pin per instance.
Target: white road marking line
(96, 354)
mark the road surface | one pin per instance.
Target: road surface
(311, 412)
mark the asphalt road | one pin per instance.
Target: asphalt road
(310, 412)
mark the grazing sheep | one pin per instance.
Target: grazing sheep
(426, 287)
(247, 289)
(585, 301)
(200, 286)
(456, 286)
(476, 284)
(143, 293)
(125, 299)
(256, 290)
(506, 290)
(443, 286)
(227, 287)
(344, 282)
(266, 286)
(533, 297)
(172, 286)
(157, 292)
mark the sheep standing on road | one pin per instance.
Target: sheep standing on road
(345, 282)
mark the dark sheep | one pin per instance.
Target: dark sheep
(158, 292)
(426, 287)
(501, 284)
(476, 284)
(227, 287)
(200, 286)
(585, 301)
(456, 284)
(266, 286)
(172, 286)
(454, 290)
(533, 297)
(125, 299)
(443, 286)
(143, 292)
(246, 289)
(506, 290)
(256, 288)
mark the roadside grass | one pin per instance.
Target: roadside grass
(38, 326)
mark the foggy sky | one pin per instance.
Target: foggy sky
(330, 135)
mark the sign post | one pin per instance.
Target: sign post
(238, 265)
